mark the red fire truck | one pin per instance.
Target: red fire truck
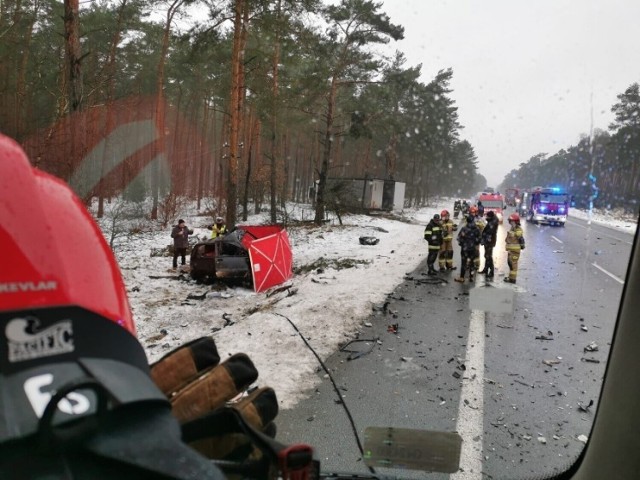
(545, 205)
(492, 202)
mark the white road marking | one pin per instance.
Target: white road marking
(617, 279)
(601, 233)
(471, 409)
(557, 239)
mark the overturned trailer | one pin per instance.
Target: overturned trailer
(366, 193)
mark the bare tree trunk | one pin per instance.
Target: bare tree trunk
(326, 156)
(274, 115)
(110, 120)
(21, 89)
(237, 76)
(72, 43)
(202, 154)
(160, 108)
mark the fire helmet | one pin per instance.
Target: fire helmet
(436, 217)
(444, 213)
(514, 217)
(473, 210)
(65, 321)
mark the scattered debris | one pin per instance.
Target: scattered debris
(355, 354)
(406, 359)
(279, 289)
(544, 337)
(504, 326)
(163, 333)
(526, 437)
(592, 347)
(227, 320)
(456, 374)
(194, 296)
(582, 438)
(590, 360)
(369, 241)
(584, 328)
(393, 328)
(551, 362)
(542, 440)
(585, 408)
(135, 289)
(523, 383)
(368, 324)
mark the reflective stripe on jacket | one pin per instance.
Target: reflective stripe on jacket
(514, 239)
(433, 235)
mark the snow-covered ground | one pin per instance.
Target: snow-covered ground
(616, 219)
(329, 306)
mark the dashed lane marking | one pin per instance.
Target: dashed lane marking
(617, 279)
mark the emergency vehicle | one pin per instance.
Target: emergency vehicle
(493, 202)
(545, 205)
(512, 197)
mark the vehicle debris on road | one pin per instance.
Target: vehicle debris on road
(592, 347)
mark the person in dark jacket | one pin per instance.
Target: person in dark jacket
(180, 234)
(457, 207)
(480, 208)
(488, 240)
(433, 235)
(468, 239)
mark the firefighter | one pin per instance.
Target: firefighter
(514, 244)
(464, 208)
(488, 240)
(433, 235)
(219, 228)
(445, 259)
(457, 206)
(468, 239)
(477, 219)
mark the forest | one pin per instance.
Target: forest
(602, 169)
(238, 105)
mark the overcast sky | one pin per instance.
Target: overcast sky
(524, 71)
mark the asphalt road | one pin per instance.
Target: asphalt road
(509, 383)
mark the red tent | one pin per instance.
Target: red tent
(270, 255)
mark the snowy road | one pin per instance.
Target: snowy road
(511, 384)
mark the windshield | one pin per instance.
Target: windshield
(551, 198)
(347, 126)
(492, 203)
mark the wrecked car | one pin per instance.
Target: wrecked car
(259, 255)
(221, 257)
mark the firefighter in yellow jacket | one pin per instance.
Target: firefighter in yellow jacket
(445, 258)
(219, 228)
(514, 244)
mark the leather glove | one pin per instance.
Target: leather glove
(199, 387)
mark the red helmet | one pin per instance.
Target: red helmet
(514, 217)
(54, 253)
(65, 322)
(444, 213)
(473, 210)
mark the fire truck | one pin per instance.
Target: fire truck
(545, 205)
(492, 202)
(512, 197)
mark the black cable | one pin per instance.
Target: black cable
(335, 387)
